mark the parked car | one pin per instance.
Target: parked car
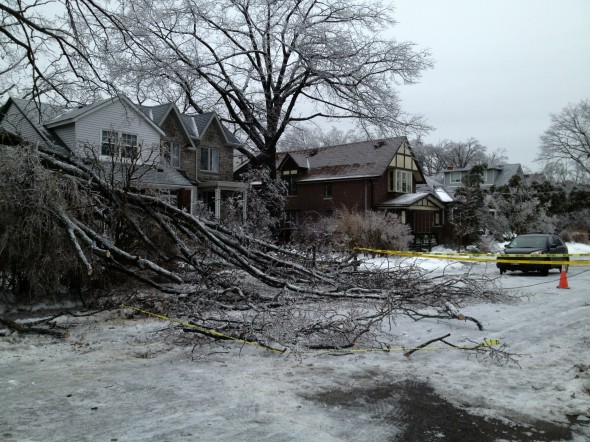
(540, 247)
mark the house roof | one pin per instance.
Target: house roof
(36, 114)
(358, 160)
(408, 199)
(194, 125)
(163, 178)
(159, 113)
(443, 195)
(147, 175)
(75, 114)
(507, 171)
(198, 124)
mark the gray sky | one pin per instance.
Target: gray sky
(501, 67)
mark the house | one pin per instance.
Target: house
(184, 157)
(203, 148)
(368, 175)
(496, 176)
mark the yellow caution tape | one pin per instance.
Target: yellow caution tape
(481, 257)
(485, 343)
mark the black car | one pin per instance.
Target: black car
(538, 246)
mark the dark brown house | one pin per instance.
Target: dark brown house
(369, 175)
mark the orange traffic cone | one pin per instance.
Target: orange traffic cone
(563, 279)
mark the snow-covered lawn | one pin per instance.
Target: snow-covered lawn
(134, 379)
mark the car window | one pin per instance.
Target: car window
(529, 241)
(557, 240)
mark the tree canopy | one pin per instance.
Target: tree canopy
(566, 143)
(262, 65)
(456, 154)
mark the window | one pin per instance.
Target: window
(403, 181)
(109, 143)
(456, 177)
(209, 159)
(484, 175)
(116, 143)
(400, 181)
(289, 177)
(328, 190)
(172, 154)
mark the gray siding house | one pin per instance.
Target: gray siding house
(496, 176)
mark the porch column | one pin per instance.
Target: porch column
(244, 206)
(194, 200)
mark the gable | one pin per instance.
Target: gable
(118, 116)
(15, 122)
(287, 163)
(404, 159)
(175, 130)
(105, 107)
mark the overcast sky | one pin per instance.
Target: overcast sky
(501, 67)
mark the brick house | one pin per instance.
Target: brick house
(184, 157)
(368, 175)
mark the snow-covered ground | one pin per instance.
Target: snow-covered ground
(120, 379)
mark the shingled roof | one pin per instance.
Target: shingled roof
(195, 125)
(35, 114)
(363, 159)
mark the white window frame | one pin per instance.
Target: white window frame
(117, 148)
(403, 181)
(212, 159)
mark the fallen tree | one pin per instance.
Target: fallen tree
(219, 280)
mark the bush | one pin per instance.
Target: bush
(379, 230)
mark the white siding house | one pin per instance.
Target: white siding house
(114, 124)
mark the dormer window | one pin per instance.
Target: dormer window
(456, 177)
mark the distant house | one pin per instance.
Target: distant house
(496, 176)
(369, 175)
(184, 157)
